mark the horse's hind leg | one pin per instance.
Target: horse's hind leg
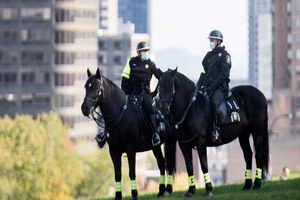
(116, 158)
(132, 176)
(187, 154)
(258, 144)
(170, 154)
(247, 151)
(161, 165)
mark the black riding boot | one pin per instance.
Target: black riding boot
(215, 136)
(155, 136)
(101, 138)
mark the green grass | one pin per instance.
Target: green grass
(271, 190)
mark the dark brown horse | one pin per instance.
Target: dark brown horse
(193, 121)
(127, 128)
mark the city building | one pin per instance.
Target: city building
(45, 49)
(260, 44)
(286, 65)
(137, 12)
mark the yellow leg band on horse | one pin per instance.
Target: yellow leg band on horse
(191, 181)
(206, 178)
(118, 187)
(162, 179)
(258, 173)
(133, 185)
(248, 174)
(170, 179)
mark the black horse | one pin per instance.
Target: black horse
(128, 132)
(193, 121)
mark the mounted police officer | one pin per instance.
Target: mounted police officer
(214, 79)
(136, 78)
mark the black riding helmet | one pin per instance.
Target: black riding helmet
(215, 34)
(142, 46)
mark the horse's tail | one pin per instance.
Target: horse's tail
(265, 156)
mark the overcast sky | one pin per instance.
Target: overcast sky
(187, 23)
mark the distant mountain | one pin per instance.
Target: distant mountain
(188, 64)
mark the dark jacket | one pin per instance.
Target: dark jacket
(217, 64)
(137, 74)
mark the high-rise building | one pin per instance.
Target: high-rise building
(45, 49)
(108, 16)
(137, 12)
(260, 45)
(286, 64)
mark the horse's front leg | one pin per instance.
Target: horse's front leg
(170, 154)
(161, 165)
(131, 163)
(187, 154)
(202, 152)
(116, 159)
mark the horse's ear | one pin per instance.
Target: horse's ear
(160, 72)
(98, 74)
(174, 71)
(89, 73)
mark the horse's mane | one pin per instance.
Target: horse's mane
(186, 80)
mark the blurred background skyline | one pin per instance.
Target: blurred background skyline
(47, 45)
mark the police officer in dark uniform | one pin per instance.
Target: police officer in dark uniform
(136, 78)
(214, 79)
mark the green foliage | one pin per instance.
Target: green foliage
(37, 161)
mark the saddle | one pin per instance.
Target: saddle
(229, 110)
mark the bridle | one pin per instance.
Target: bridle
(169, 104)
(96, 101)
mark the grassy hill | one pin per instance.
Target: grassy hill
(271, 190)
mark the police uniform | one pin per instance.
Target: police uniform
(215, 78)
(136, 78)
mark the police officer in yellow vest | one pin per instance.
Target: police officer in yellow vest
(136, 78)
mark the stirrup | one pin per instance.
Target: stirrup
(215, 136)
(155, 139)
(101, 138)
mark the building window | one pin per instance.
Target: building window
(26, 99)
(64, 37)
(36, 35)
(35, 14)
(118, 60)
(289, 54)
(298, 69)
(298, 22)
(42, 100)
(288, 7)
(289, 38)
(102, 45)
(117, 45)
(64, 58)
(10, 77)
(297, 102)
(28, 77)
(9, 35)
(64, 79)
(298, 85)
(62, 15)
(298, 7)
(35, 57)
(8, 14)
(102, 59)
(298, 54)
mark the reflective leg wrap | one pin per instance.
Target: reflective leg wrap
(162, 179)
(191, 181)
(118, 187)
(170, 179)
(133, 185)
(206, 178)
(258, 173)
(248, 174)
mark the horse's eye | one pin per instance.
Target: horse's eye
(90, 84)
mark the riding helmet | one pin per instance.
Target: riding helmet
(215, 34)
(142, 46)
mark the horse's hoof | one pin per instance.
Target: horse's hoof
(248, 184)
(189, 194)
(134, 198)
(257, 184)
(167, 194)
(208, 193)
(160, 194)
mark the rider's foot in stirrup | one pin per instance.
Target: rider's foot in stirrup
(215, 136)
(155, 139)
(161, 127)
(101, 139)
